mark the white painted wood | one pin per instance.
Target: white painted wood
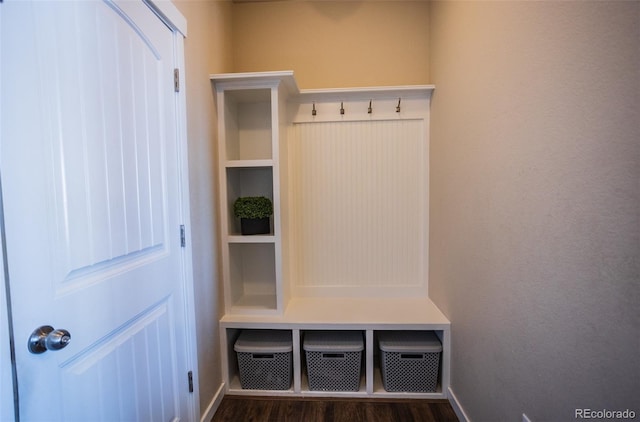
(380, 159)
(253, 239)
(457, 407)
(348, 313)
(245, 80)
(369, 363)
(93, 193)
(170, 15)
(283, 207)
(414, 104)
(297, 356)
(249, 163)
(248, 127)
(211, 409)
(173, 18)
(371, 379)
(246, 181)
(372, 91)
(6, 381)
(252, 129)
(359, 209)
(367, 314)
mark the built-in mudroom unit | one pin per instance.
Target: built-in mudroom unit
(335, 280)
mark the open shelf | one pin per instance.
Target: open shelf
(249, 163)
(250, 152)
(307, 314)
(246, 181)
(252, 277)
(258, 238)
(247, 124)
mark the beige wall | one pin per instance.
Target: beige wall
(331, 44)
(207, 50)
(535, 199)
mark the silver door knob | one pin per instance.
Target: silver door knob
(46, 338)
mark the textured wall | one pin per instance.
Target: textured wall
(535, 181)
(332, 44)
(207, 50)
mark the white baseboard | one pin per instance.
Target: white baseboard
(462, 417)
(213, 406)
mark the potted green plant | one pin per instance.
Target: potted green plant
(254, 213)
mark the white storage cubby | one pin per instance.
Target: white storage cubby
(322, 157)
(252, 275)
(252, 162)
(247, 122)
(368, 316)
(333, 360)
(246, 181)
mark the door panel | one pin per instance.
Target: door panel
(117, 371)
(92, 209)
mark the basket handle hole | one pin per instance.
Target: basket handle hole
(262, 356)
(333, 355)
(410, 356)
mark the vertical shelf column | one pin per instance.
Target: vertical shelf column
(251, 145)
(298, 356)
(369, 360)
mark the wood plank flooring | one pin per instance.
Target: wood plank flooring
(278, 409)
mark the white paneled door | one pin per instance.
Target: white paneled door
(91, 184)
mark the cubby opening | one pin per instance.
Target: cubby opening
(248, 124)
(378, 385)
(253, 276)
(233, 362)
(247, 181)
(330, 375)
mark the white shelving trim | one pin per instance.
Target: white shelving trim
(251, 239)
(368, 315)
(297, 313)
(249, 163)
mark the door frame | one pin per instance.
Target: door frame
(170, 16)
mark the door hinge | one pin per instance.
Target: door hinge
(183, 236)
(176, 80)
(190, 375)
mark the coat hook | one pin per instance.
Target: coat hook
(313, 111)
(341, 107)
(370, 110)
(398, 106)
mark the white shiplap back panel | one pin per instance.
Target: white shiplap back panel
(361, 214)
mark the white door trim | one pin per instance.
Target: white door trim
(171, 16)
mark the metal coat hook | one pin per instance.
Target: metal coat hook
(398, 106)
(341, 107)
(370, 110)
(313, 111)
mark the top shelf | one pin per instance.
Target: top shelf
(376, 92)
(248, 80)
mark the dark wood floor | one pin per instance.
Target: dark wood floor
(272, 409)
